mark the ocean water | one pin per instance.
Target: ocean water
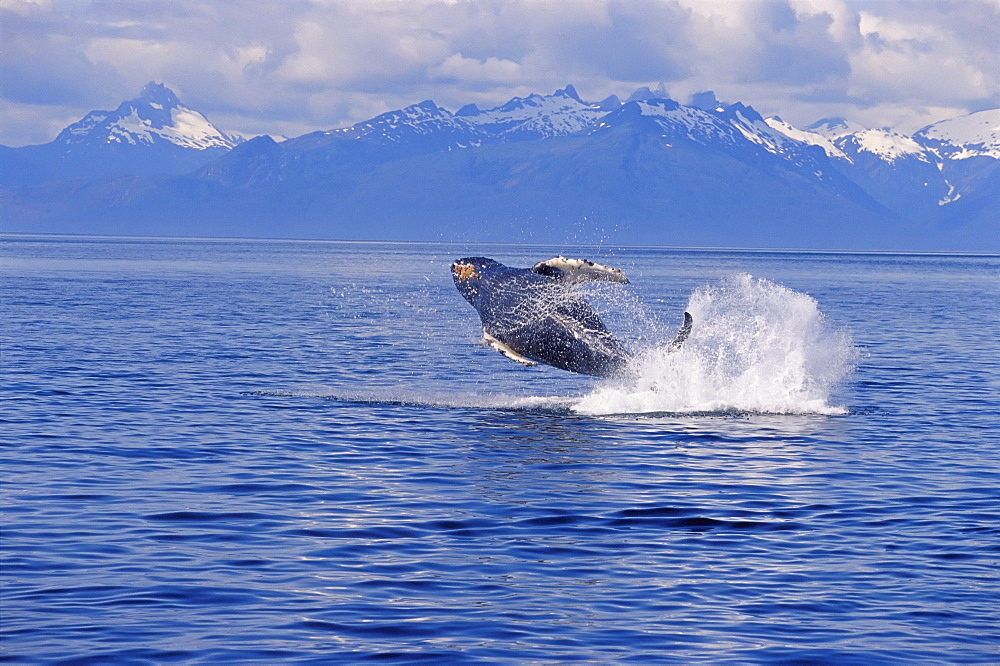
(270, 451)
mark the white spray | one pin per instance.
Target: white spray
(755, 347)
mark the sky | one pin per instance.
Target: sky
(287, 67)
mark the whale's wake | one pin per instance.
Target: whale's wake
(755, 347)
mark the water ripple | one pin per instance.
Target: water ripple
(271, 454)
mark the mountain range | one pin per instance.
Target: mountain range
(545, 168)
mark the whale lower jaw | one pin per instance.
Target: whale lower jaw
(495, 344)
(612, 365)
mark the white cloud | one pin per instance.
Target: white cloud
(457, 67)
(911, 59)
(316, 64)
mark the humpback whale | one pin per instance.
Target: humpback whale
(538, 315)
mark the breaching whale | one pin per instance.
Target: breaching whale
(537, 315)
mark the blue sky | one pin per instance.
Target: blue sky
(293, 66)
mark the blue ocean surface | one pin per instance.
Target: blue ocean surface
(278, 451)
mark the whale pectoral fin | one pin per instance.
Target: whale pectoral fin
(495, 344)
(578, 270)
(684, 331)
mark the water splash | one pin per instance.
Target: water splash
(756, 347)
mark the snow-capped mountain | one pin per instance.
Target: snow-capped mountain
(833, 127)
(895, 170)
(153, 133)
(914, 176)
(967, 152)
(415, 124)
(883, 144)
(652, 168)
(736, 130)
(154, 116)
(427, 126)
(536, 116)
(733, 128)
(974, 135)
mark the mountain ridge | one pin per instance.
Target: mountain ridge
(538, 161)
(153, 133)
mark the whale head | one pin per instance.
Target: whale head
(468, 273)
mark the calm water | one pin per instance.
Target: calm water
(293, 451)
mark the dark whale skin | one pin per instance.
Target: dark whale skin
(540, 317)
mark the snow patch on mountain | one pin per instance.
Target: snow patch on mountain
(804, 136)
(82, 127)
(675, 119)
(951, 196)
(757, 130)
(193, 130)
(888, 146)
(130, 129)
(187, 128)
